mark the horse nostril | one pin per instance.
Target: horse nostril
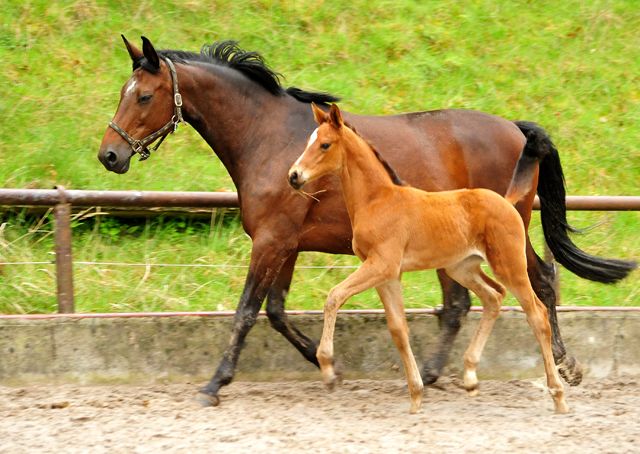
(111, 157)
(293, 178)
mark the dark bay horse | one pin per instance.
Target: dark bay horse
(257, 128)
(397, 228)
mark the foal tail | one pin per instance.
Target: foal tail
(553, 210)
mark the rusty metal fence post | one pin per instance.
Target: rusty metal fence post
(64, 258)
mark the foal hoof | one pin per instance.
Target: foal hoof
(333, 383)
(472, 392)
(571, 371)
(207, 400)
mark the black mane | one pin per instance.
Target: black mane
(251, 64)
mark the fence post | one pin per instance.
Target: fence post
(64, 259)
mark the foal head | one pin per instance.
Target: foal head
(324, 152)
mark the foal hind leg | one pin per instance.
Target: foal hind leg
(279, 320)
(456, 305)
(469, 273)
(391, 295)
(513, 275)
(542, 276)
(537, 319)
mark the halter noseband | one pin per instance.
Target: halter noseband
(140, 146)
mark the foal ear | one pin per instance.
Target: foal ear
(318, 114)
(150, 52)
(134, 52)
(335, 116)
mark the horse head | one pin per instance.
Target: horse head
(147, 102)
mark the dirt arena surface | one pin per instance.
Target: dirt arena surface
(363, 416)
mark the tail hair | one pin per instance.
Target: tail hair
(553, 210)
(534, 152)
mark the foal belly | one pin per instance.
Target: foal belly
(429, 258)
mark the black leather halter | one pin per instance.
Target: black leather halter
(140, 146)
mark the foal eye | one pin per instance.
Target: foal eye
(325, 146)
(145, 98)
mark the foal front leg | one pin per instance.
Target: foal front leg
(372, 272)
(391, 295)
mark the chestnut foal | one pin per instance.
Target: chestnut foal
(398, 228)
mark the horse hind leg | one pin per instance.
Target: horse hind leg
(391, 295)
(469, 273)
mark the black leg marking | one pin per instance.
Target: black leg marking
(456, 305)
(279, 320)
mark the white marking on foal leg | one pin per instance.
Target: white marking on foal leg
(310, 142)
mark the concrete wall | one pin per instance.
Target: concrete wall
(178, 348)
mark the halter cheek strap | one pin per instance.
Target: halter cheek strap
(140, 146)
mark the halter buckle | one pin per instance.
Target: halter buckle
(177, 99)
(141, 150)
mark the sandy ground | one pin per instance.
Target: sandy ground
(363, 416)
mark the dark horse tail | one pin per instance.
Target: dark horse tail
(553, 210)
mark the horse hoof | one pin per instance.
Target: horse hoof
(429, 377)
(571, 371)
(207, 400)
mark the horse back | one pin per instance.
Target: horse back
(446, 149)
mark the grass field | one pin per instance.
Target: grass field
(571, 66)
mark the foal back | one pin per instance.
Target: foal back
(436, 230)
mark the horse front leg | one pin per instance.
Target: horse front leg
(542, 276)
(456, 305)
(266, 261)
(279, 320)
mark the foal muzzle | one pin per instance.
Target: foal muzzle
(296, 178)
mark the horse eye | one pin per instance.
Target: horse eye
(145, 98)
(325, 146)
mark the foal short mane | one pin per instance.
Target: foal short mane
(390, 170)
(251, 64)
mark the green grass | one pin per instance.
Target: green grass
(571, 66)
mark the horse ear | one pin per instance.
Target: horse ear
(318, 114)
(335, 116)
(134, 52)
(150, 52)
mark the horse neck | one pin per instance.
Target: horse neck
(363, 177)
(229, 112)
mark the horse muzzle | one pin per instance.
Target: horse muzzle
(297, 178)
(114, 161)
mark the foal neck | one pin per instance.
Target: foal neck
(364, 177)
